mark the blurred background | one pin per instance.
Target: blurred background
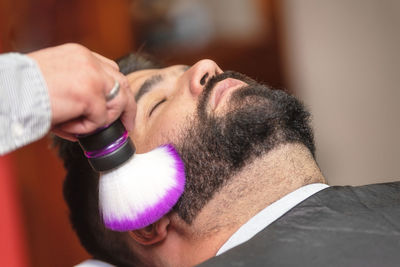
(340, 57)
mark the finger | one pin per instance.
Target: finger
(98, 111)
(116, 76)
(123, 104)
(129, 114)
(64, 135)
(116, 106)
(78, 127)
(93, 118)
(109, 62)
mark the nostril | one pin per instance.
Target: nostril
(204, 79)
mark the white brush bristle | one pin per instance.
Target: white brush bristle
(139, 192)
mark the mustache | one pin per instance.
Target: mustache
(204, 97)
(225, 75)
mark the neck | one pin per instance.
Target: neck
(264, 181)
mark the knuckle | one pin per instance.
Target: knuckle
(124, 83)
(93, 79)
(88, 62)
(114, 65)
(83, 56)
(75, 48)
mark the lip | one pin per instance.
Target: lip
(223, 88)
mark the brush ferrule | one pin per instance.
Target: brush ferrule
(108, 147)
(114, 159)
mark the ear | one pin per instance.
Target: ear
(152, 234)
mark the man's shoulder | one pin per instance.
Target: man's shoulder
(375, 194)
(390, 187)
(338, 226)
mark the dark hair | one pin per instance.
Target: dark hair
(81, 194)
(134, 62)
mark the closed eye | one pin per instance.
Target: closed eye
(156, 106)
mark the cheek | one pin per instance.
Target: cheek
(168, 127)
(165, 128)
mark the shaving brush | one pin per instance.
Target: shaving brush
(135, 190)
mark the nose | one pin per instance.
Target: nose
(200, 73)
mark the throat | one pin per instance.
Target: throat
(263, 181)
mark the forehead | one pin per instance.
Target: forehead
(138, 78)
(141, 76)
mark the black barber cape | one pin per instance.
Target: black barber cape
(338, 226)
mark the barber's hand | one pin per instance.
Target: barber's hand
(78, 81)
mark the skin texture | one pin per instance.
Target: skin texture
(78, 81)
(162, 116)
(181, 88)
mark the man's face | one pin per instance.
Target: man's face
(217, 121)
(167, 98)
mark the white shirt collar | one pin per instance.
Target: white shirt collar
(255, 224)
(270, 214)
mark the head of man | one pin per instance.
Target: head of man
(241, 142)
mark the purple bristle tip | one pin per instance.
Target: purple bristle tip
(163, 206)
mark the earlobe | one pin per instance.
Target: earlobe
(153, 233)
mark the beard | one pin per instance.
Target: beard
(215, 148)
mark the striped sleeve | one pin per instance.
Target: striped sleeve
(25, 111)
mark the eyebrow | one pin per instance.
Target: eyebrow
(147, 86)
